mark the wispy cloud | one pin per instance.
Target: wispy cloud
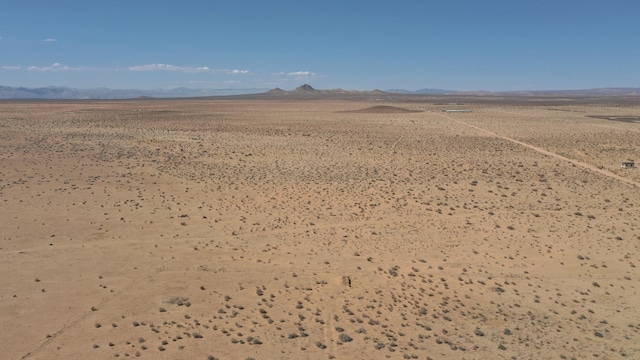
(168, 67)
(236, 71)
(8, 67)
(301, 74)
(296, 74)
(54, 67)
(50, 40)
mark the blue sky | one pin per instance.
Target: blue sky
(456, 44)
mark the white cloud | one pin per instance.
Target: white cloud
(53, 67)
(236, 71)
(168, 67)
(7, 67)
(50, 40)
(301, 74)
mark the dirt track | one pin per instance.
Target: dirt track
(545, 152)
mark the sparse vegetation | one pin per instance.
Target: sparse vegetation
(393, 234)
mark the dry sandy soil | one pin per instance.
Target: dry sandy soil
(219, 229)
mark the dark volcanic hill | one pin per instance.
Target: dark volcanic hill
(305, 88)
(307, 92)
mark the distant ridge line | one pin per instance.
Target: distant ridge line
(303, 91)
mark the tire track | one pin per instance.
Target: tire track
(73, 323)
(396, 143)
(548, 153)
(327, 331)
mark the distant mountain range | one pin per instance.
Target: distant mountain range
(304, 91)
(596, 92)
(422, 91)
(54, 92)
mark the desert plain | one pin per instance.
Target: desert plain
(320, 229)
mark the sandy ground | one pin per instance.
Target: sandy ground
(167, 229)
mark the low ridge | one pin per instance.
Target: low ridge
(384, 109)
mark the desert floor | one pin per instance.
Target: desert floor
(221, 229)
